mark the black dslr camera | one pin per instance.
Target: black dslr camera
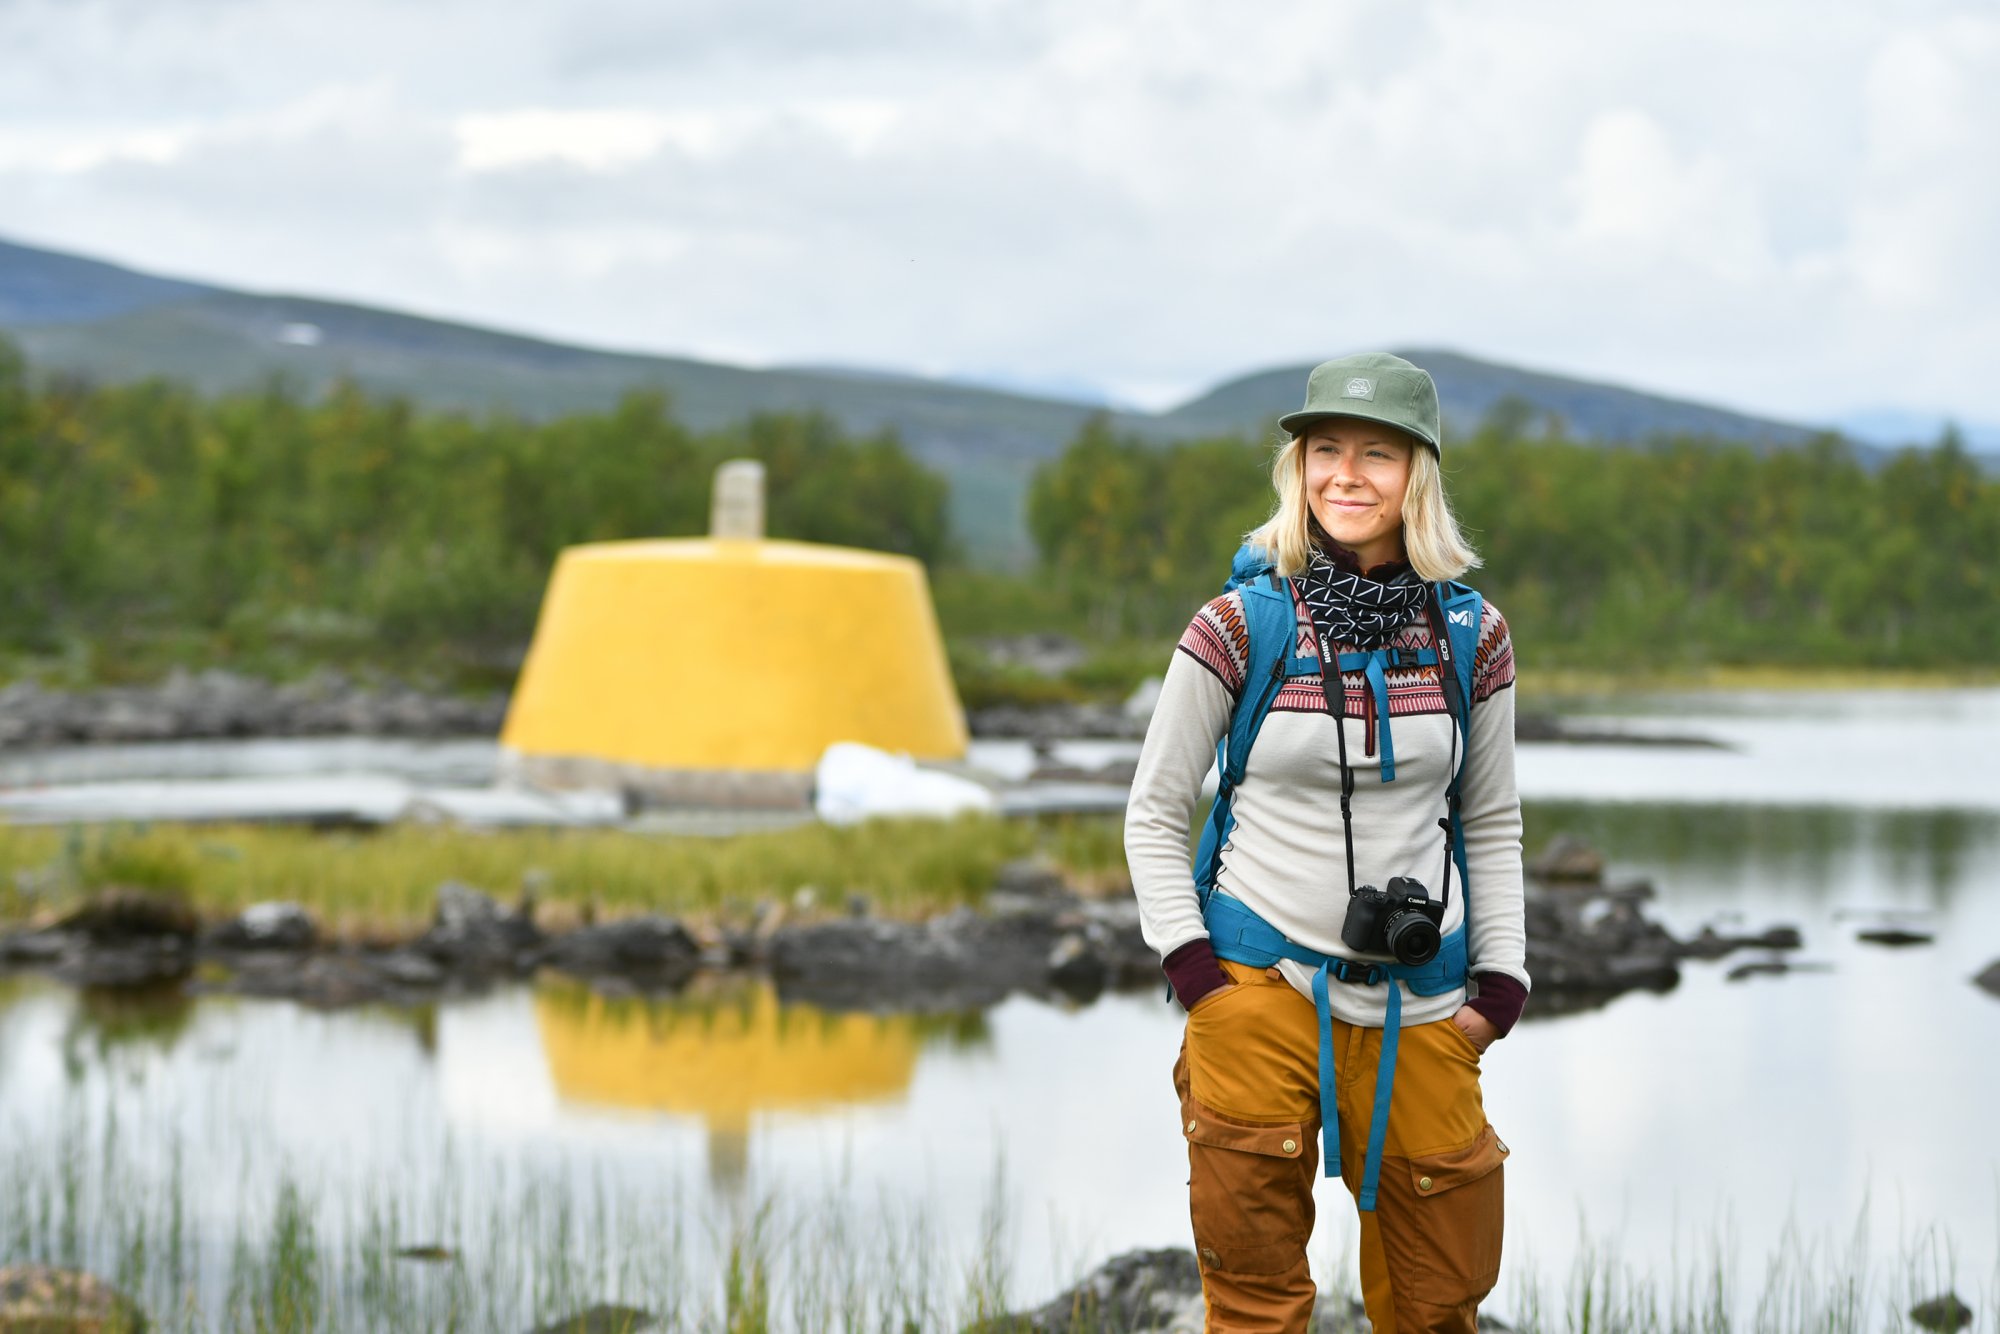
(1401, 920)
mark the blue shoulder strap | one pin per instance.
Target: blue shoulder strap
(1456, 612)
(1271, 622)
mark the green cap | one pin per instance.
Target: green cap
(1375, 385)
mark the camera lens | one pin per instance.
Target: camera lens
(1412, 937)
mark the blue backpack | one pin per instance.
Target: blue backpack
(1237, 933)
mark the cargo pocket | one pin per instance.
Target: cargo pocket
(1440, 1218)
(1249, 1191)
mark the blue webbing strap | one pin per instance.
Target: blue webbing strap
(1372, 664)
(1329, 1078)
(1385, 1086)
(1237, 933)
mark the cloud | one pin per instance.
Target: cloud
(1767, 207)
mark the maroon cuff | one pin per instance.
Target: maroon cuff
(1194, 972)
(1499, 1000)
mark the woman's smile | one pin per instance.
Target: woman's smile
(1357, 472)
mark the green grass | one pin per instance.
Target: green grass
(503, 1247)
(511, 1247)
(1812, 1284)
(360, 882)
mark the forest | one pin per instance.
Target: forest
(1681, 555)
(144, 528)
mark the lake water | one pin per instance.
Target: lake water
(1863, 1088)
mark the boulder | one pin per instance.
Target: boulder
(267, 926)
(471, 932)
(36, 1299)
(130, 914)
(1077, 970)
(1712, 944)
(1152, 1292)
(653, 952)
(1568, 860)
(36, 947)
(126, 964)
(958, 961)
(1895, 937)
(409, 968)
(1586, 947)
(1030, 878)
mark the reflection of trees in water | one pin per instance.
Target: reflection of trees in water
(1936, 852)
(726, 1051)
(153, 1016)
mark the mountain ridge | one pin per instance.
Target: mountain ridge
(114, 324)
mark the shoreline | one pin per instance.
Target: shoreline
(1031, 933)
(218, 704)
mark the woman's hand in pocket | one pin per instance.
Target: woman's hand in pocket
(1478, 1029)
(1208, 998)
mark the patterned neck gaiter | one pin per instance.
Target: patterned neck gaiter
(1351, 608)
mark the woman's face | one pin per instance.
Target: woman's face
(1357, 472)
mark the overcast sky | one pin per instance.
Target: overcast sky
(1789, 206)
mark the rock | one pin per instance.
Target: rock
(267, 926)
(36, 1299)
(408, 968)
(959, 961)
(1568, 860)
(1589, 946)
(1988, 979)
(130, 914)
(1712, 944)
(1045, 654)
(1077, 970)
(125, 964)
(223, 704)
(653, 952)
(1031, 878)
(330, 981)
(1152, 1292)
(470, 932)
(601, 1319)
(1118, 936)
(36, 947)
(1758, 968)
(1055, 722)
(1895, 937)
(1944, 1313)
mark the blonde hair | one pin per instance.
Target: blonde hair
(1431, 537)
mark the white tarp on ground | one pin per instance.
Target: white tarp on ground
(856, 782)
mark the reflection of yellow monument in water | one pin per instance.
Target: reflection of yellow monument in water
(716, 671)
(725, 1057)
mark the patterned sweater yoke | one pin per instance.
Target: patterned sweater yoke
(1286, 859)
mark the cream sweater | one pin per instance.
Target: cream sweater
(1286, 859)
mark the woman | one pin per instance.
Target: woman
(1292, 964)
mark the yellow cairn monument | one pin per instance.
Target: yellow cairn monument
(716, 671)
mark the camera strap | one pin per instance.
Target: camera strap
(1336, 704)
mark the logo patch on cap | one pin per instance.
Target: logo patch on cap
(1359, 387)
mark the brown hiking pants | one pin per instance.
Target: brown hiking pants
(1248, 1079)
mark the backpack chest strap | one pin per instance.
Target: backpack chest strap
(1375, 665)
